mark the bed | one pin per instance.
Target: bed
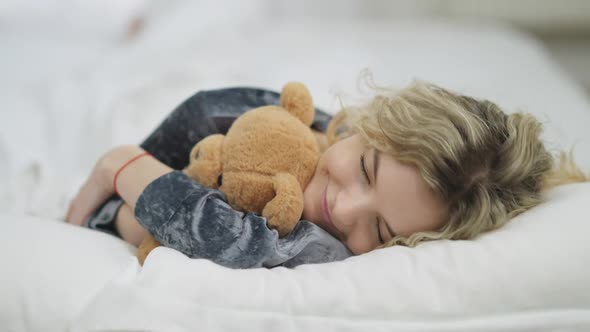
(66, 100)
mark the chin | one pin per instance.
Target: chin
(306, 206)
(312, 198)
(309, 213)
(309, 216)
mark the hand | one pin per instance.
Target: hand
(95, 191)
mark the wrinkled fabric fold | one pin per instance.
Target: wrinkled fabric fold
(197, 221)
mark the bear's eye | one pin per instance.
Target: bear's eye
(198, 154)
(220, 180)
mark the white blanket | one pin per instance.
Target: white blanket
(519, 278)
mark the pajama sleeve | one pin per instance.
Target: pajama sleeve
(197, 221)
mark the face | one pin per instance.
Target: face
(364, 198)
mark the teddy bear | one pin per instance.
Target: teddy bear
(262, 164)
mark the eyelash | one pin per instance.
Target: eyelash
(364, 170)
(379, 233)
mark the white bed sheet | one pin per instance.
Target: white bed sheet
(57, 276)
(65, 101)
(51, 271)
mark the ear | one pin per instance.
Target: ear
(296, 99)
(205, 164)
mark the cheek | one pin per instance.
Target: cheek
(358, 238)
(334, 161)
(358, 242)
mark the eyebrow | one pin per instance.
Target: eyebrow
(376, 155)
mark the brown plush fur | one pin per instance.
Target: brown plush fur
(266, 160)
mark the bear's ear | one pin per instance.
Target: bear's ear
(296, 99)
(205, 161)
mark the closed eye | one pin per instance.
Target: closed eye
(379, 232)
(364, 168)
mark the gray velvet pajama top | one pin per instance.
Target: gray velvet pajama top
(197, 221)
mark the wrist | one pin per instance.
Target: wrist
(113, 160)
(132, 169)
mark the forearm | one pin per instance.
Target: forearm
(133, 179)
(197, 221)
(128, 227)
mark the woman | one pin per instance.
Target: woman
(420, 164)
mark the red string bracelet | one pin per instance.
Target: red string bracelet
(125, 165)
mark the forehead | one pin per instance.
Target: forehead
(404, 198)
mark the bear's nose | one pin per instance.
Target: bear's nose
(220, 180)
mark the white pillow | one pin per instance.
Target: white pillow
(50, 270)
(537, 264)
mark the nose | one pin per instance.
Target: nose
(351, 208)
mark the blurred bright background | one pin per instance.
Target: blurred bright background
(563, 26)
(80, 76)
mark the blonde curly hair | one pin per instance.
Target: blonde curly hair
(486, 165)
